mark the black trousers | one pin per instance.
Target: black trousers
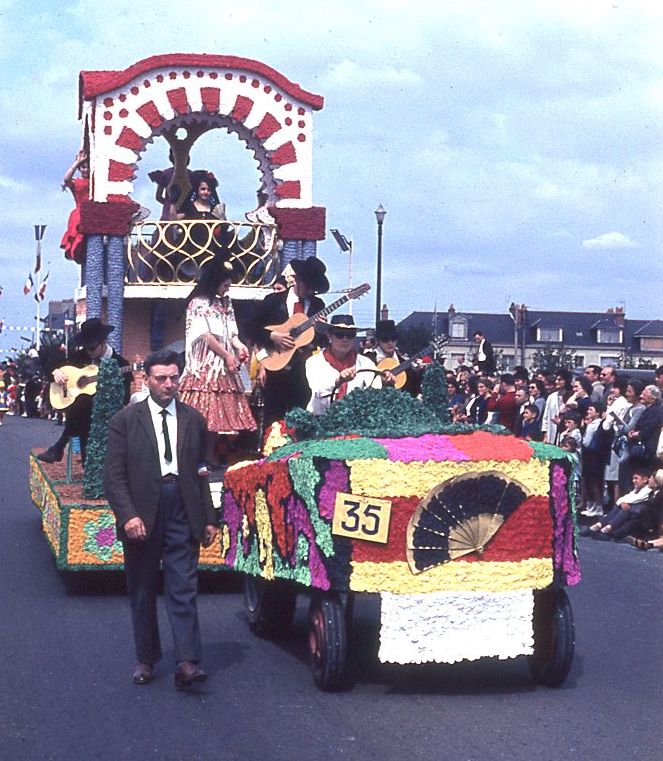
(170, 543)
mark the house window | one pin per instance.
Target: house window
(612, 361)
(609, 336)
(459, 330)
(507, 363)
(549, 335)
(578, 360)
(651, 344)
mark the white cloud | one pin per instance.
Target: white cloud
(351, 73)
(610, 240)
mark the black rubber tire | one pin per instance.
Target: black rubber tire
(270, 606)
(327, 641)
(554, 637)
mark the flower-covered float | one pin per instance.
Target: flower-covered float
(466, 533)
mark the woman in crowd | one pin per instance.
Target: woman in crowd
(580, 398)
(615, 411)
(537, 394)
(214, 353)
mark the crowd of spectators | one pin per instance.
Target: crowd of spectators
(609, 423)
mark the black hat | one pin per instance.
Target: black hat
(312, 272)
(93, 332)
(339, 322)
(385, 329)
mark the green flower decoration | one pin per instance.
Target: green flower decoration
(101, 540)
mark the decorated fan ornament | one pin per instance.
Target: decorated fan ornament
(459, 517)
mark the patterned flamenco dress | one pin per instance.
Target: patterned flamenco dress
(207, 384)
(73, 240)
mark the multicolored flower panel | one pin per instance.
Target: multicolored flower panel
(81, 533)
(278, 512)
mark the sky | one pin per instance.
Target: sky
(517, 146)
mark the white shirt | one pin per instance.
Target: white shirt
(322, 378)
(171, 422)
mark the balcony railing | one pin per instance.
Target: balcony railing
(171, 253)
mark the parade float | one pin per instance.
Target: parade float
(467, 534)
(136, 272)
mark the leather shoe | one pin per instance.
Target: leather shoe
(52, 454)
(188, 672)
(143, 673)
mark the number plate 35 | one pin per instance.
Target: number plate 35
(364, 518)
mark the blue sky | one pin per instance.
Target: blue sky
(517, 146)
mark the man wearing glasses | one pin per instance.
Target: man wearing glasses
(339, 369)
(90, 348)
(156, 484)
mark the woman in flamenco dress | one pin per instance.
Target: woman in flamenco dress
(211, 381)
(73, 240)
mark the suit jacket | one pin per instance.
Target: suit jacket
(132, 473)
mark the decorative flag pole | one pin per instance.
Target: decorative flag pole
(39, 234)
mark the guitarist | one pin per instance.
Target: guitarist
(90, 347)
(288, 388)
(387, 340)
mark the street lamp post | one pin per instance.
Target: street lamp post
(380, 214)
(345, 246)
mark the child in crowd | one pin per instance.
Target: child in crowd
(595, 452)
(530, 428)
(625, 516)
(570, 445)
(571, 426)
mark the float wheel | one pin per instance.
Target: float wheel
(554, 637)
(327, 640)
(270, 606)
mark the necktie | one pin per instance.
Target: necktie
(299, 307)
(168, 454)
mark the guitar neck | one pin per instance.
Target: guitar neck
(304, 326)
(409, 362)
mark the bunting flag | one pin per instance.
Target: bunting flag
(29, 285)
(41, 293)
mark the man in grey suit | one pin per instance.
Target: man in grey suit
(156, 484)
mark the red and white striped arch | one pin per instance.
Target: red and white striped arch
(125, 110)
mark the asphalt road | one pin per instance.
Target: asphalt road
(66, 692)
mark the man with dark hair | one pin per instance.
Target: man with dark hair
(287, 388)
(504, 402)
(155, 482)
(592, 372)
(90, 348)
(484, 359)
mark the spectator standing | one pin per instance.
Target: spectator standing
(592, 372)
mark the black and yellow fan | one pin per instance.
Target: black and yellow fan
(459, 517)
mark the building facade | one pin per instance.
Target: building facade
(518, 336)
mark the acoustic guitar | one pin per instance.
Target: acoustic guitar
(399, 370)
(302, 330)
(80, 380)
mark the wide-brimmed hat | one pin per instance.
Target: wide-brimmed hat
(92, 333)
(385, 330)
(312, 272)
(339, 323)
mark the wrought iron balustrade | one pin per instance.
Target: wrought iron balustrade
(173, 252)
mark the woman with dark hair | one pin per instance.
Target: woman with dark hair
(537, 394)
(73, 241)
(211, 382)
(581, 396)
(628, 423)
(203, 203)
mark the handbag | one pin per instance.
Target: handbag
(620, 447)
